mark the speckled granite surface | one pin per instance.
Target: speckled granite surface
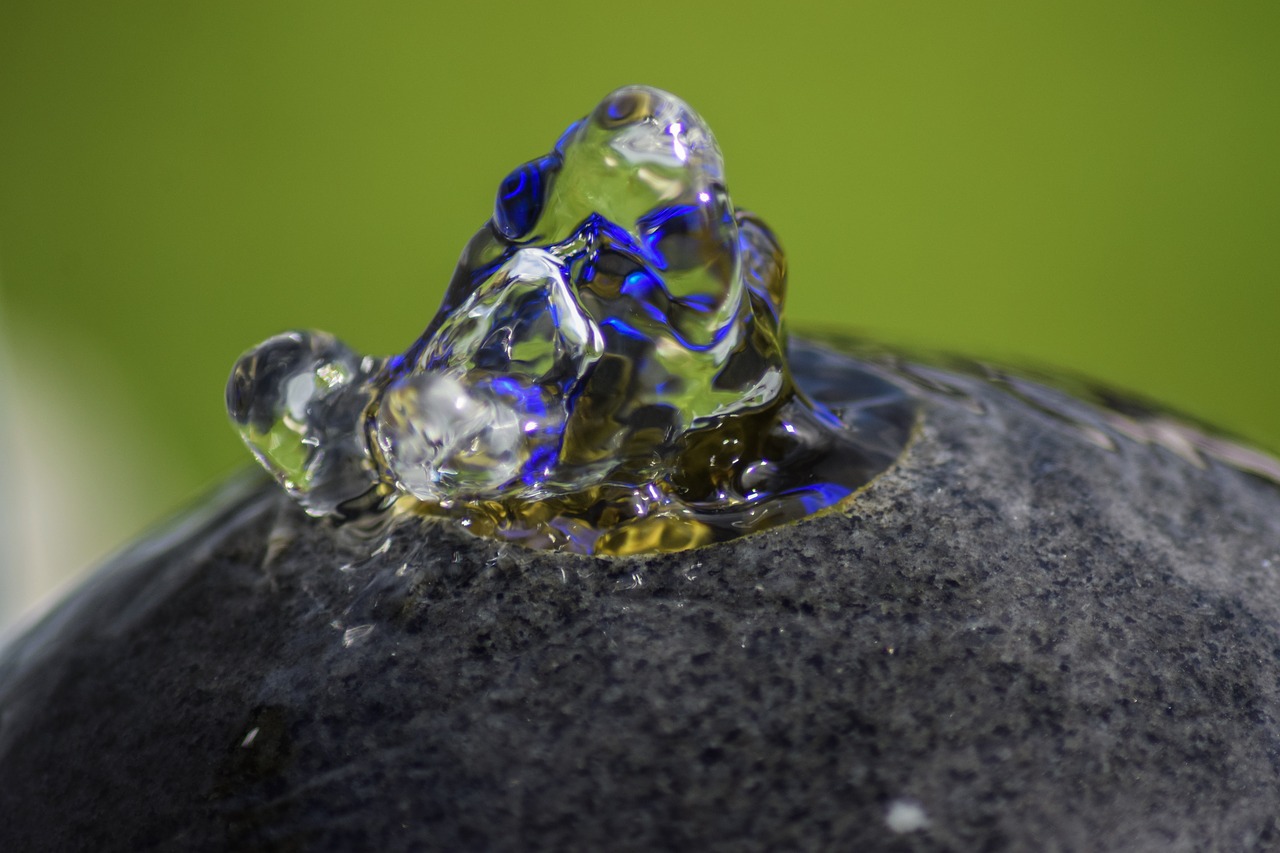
(1015, 640)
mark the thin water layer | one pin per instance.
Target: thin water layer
(1097, 415)
(607, 373)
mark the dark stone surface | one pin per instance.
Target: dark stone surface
(1036, 642)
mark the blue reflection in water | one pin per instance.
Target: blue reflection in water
(606, 373)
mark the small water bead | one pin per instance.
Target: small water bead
(606, 374)
(298, 400)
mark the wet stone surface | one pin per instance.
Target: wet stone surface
(1032, 633)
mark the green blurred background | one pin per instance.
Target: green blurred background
(1090, 185)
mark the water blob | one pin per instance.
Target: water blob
(607, 374)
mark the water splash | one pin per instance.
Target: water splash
(607, 373)
(297, 400)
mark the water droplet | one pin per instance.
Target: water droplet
(356, 634)
(906, 815)
(297, 400)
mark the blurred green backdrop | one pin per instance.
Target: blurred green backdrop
(1091, 185)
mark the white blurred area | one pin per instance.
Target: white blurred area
(74, 469)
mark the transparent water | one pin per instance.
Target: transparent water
(607, 373)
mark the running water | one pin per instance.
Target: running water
(607, 374)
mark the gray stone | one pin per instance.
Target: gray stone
(1033, 633)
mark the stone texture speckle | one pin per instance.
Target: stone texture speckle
(1028, 641)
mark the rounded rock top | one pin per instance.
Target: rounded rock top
(1042, 628)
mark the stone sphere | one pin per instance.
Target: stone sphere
(1051, 625)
